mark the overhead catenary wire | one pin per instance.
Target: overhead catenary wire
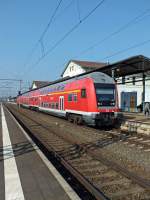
(131, 22)
(42, 48)
(6, 83)
(40, 40)
(68, 33)
(41, 45)
(78, 10)
(127, 49)
(122, 28)
(63, 10)
(50, 21)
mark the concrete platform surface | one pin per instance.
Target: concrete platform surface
(136, 116)
(136, 122)
(25, 173)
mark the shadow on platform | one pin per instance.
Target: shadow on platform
(17, 149)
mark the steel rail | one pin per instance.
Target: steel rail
(99, 195)
(135, 178)
(131, 175)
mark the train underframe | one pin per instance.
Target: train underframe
(100, 119)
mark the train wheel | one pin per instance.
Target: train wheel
(98, 123)
(80, 120)
(75, 120)
(70, 119)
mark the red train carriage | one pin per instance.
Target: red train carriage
(91, 98)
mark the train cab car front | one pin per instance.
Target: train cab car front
(106, 96)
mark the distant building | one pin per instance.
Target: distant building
(75, 67)
(38, 84)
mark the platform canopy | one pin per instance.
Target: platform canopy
(129, 66)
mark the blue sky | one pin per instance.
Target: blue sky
(23, 21)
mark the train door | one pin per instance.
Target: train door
(61, 103)
(40, 101)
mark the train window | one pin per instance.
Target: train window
(56, 105)
(69, 97)
(83, 93)
(53, 105)
(75, 97)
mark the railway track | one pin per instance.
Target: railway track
(131, 139)
(139, 141)
(103, 178)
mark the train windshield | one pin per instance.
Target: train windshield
(105, 95)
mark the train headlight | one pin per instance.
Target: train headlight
(99, 104)
(112, 103)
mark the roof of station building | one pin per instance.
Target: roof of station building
(132, 65)
(86, 65)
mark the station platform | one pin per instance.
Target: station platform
(136, 122)
(25, 173)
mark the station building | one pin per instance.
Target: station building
(75, 67)
(132, 76)
(38, 84)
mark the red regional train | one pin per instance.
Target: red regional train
(91, 98)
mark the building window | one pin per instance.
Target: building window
(123, 80)
(133, 80)
(71, 68)
(83, 93)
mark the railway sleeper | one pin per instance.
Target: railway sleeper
(108, 176)
(122, 181)
(133, 192)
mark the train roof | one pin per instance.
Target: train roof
(98, 77)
